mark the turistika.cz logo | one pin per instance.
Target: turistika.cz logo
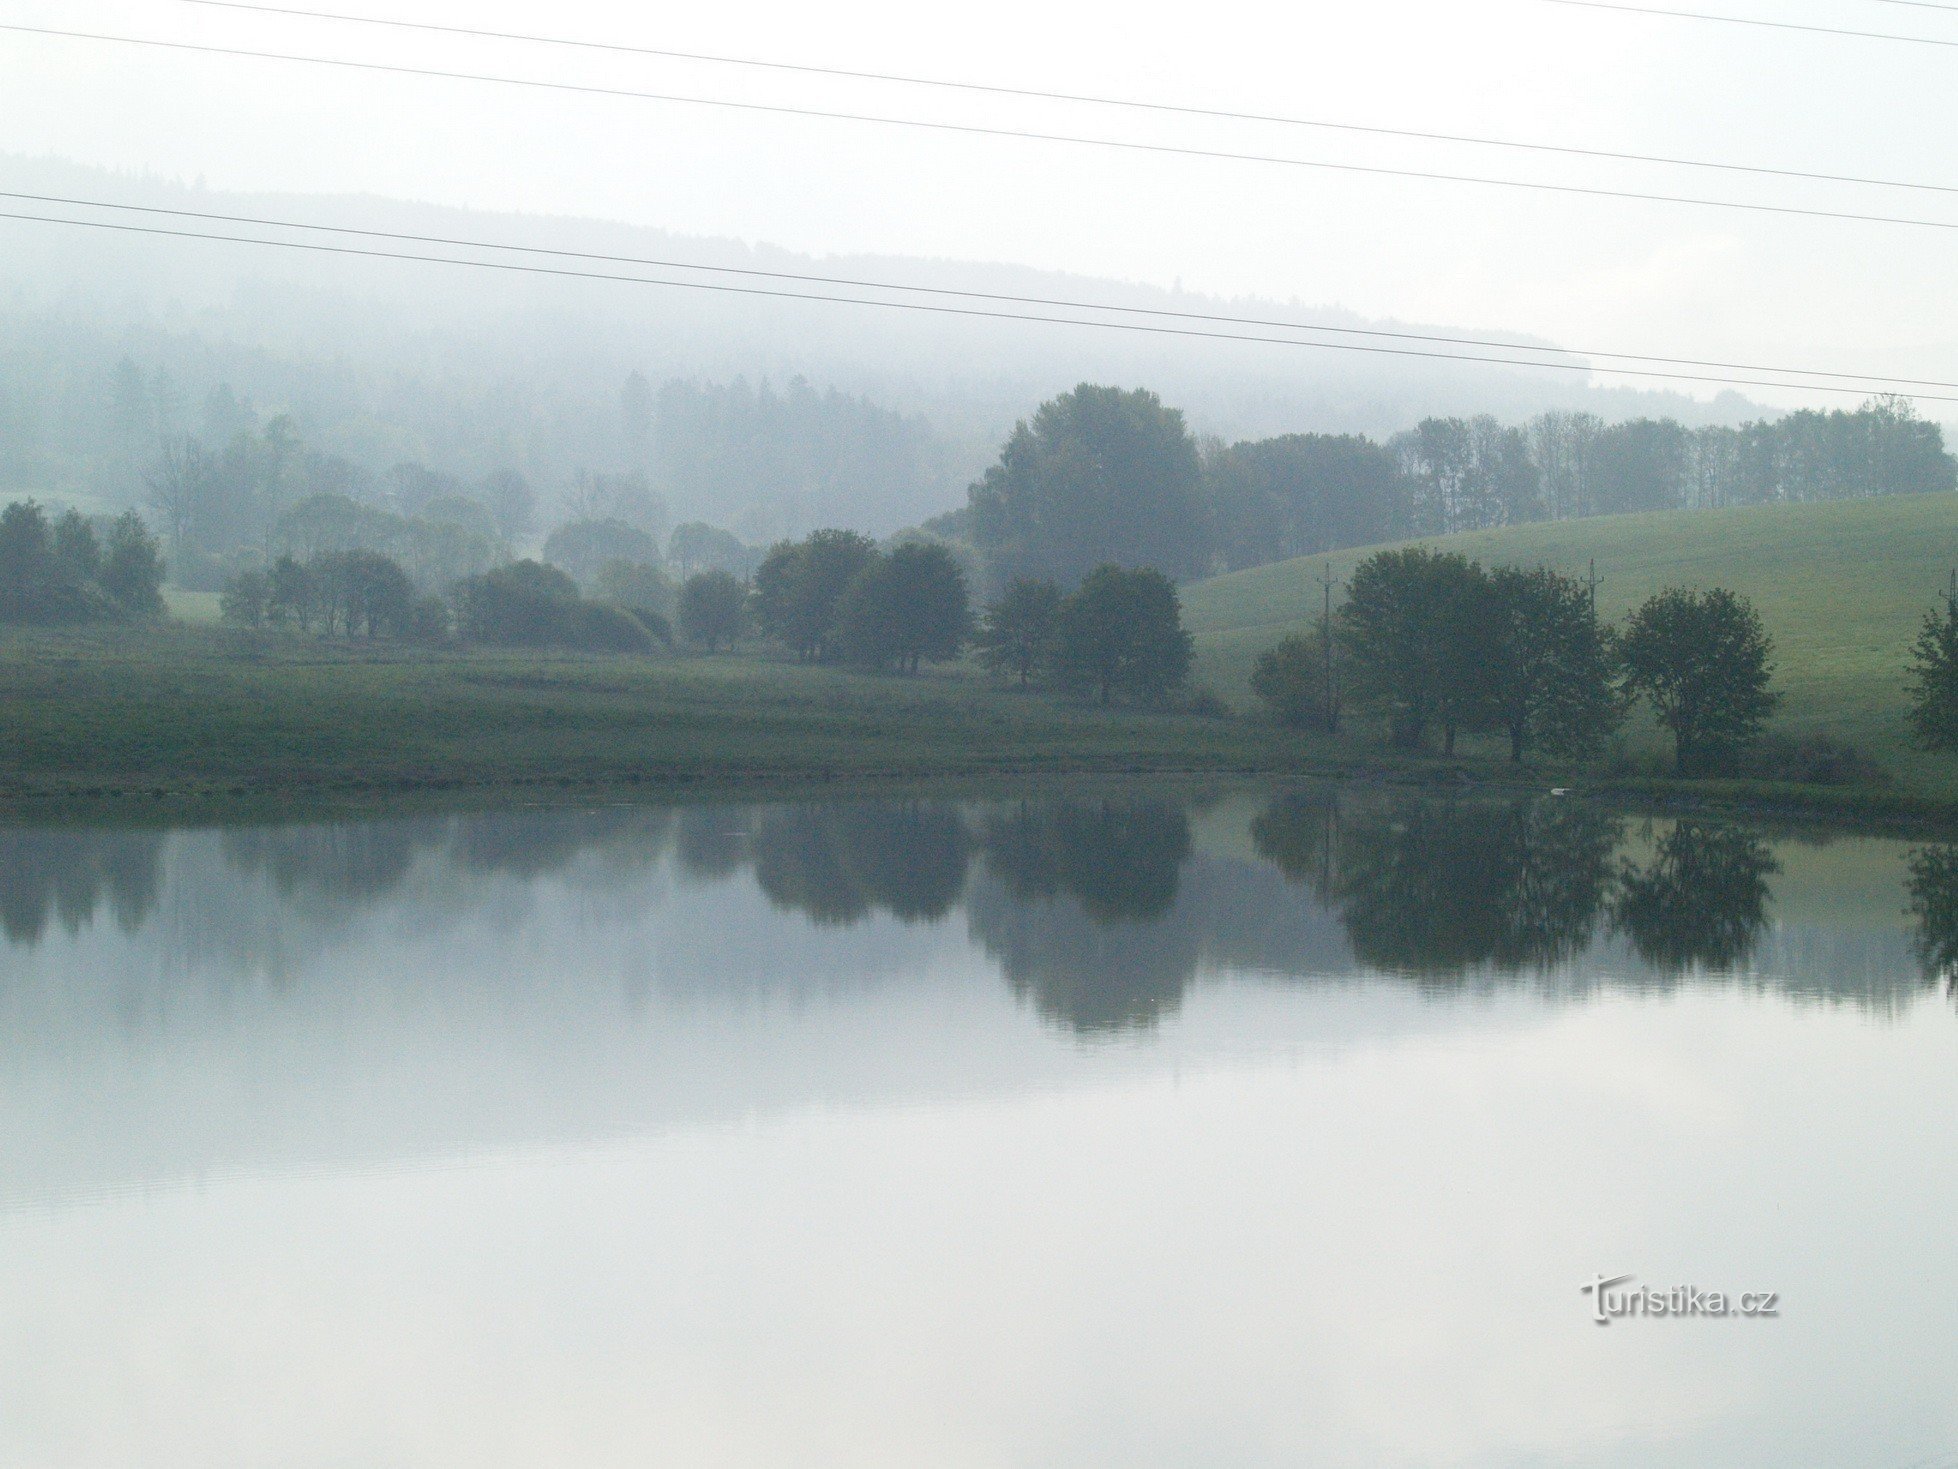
(1609, 1304)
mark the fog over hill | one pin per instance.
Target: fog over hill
(468, 370)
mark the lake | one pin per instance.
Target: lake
(1113, 1126)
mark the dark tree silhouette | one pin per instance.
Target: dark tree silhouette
(713, 607)
(1122, 632)
(1016, 633)
(1551, 683)
(799, 584)
(905, 608)
(1100, 474)
(1932, 681)
(1418, 634)
(1704, 661)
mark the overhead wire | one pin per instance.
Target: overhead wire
(1060, 303)
(1090, 99)
(1147, 328)
(983, 130)
(1749, 20)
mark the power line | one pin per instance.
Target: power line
(1090, 99)
(1918, 4)
(979, 130)
(934, 309)
(1748, 20)
(1061, 303)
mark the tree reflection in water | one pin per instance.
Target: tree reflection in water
(1933, 891)
(64, 876)
(1100, 912)
(838, 864)
(1435, 889)
(1700, 903)
(1077, 906)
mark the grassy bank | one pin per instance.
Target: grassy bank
(190, 710)
(200, 713)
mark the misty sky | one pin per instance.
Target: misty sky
(1590, 273)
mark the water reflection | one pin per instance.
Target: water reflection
(63, 877)
(839, 864)
(1434, 889)
(1701, 902)
(1933, 891)
(1098, 912)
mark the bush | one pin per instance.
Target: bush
(1812, 760)
(428, 621)
(247, 599)
(655, 623)
(521, 605)
(1206, 704)
(1291, 681)
(636, 586)
(530, 605)
(599, 627)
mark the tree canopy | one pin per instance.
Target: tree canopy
(1121, 631)
(1705, 662)
(65, 572)
(1099, 475)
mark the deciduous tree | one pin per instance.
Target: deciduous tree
(1705, 662)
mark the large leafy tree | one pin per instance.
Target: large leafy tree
(713, 605)
(1419, 632)
(1271, 499)
(1705, 661)
(799, 585)
(904, 608)
(1017, 631)
(581, 547)
(1552, 681)
(1100, 475)
(1932, 681)
(1122, 632)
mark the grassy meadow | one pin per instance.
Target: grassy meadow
(1842, 588)
(202, 711)
(194, 710)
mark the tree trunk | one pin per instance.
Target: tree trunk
(1516, 742)
(1448, 739)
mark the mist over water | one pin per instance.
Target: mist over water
(1111, 1126)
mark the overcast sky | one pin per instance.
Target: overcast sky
(1592, 273)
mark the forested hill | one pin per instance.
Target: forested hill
(384, 362)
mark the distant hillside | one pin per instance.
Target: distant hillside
(1842, 588)
(471, 370)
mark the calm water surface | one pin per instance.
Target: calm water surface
(1117, 1129)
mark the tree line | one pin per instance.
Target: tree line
(1430, 643)
(1108, 474)
(835, 597)
(77, 570)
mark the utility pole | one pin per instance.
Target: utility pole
(1591, 584)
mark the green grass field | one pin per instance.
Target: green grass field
(1842, 588)
(203, 711)
(198, 711)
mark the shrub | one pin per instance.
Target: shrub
(1291, 681)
